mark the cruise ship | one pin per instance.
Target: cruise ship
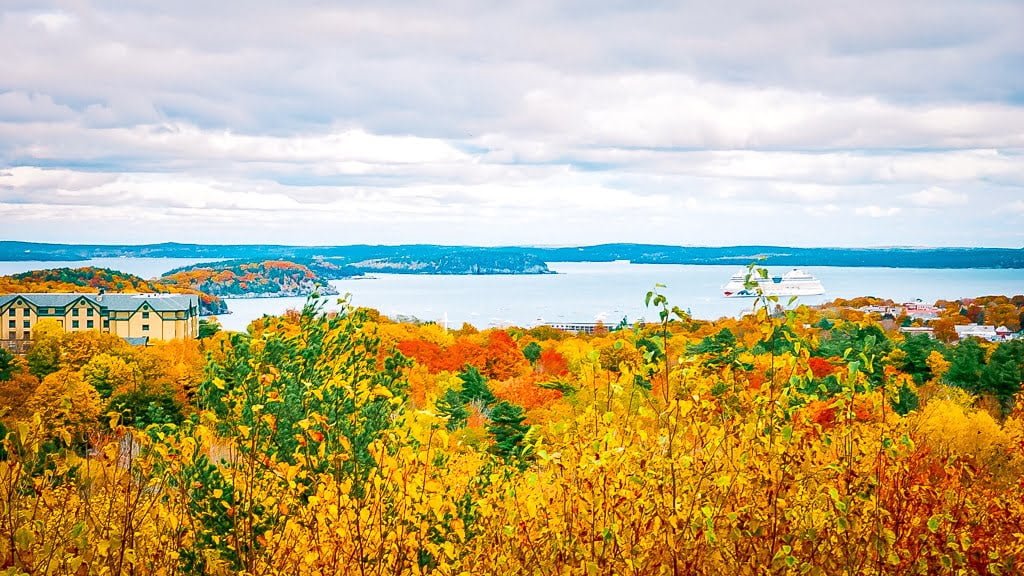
(793, 283)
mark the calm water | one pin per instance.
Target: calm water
(584, 292)
(580, 292)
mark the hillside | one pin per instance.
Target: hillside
(271, 278)
(93, 279)
(343, 443)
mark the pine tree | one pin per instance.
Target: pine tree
(965, 364)
(508, 430)
(452, 407)
(474, 387)
(1002, 376)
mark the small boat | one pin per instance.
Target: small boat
(794, 283)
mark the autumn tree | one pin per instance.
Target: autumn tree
(67, 403)
(43, 354)
(108, 373)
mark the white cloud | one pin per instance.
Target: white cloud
(677, 121)
(877, 211)
(935, 197)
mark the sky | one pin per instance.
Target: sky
(536, 122)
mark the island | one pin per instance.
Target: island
(240, 279)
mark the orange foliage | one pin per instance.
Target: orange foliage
(525, 391)
(552, 363)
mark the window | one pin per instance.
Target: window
(51, 311)
(88, 312)
(26, 324)
(12, 323)
(74, 311)
(106, 323)
(26, 312)
(145, 327)
(26, 335)
(145, 315)
(90, 324)
(74, 323)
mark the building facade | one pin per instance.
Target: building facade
(150, 316)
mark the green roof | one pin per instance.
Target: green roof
(115, 302)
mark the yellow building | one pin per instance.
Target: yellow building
(134, 316)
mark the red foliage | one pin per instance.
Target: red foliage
(820, 367)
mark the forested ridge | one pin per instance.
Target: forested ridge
(811, 441)
(91, 279)
(240, 279)
(429, 258)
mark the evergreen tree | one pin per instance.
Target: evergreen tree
(917, 348)
(532, 352)
(474, 387)
(452, 407)
(208, 328)
(7, 365)
(965, 365)
(1002, 376)
(508, 430)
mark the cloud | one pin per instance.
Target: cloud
(531, 122)
(876, 211)
(935, 197)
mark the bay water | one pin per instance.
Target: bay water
(580, 291)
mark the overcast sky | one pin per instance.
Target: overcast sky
(540, 122)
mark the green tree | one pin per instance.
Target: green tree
(141, 408)
(1002, 376)
(532, 352)
(208, 327)
(7, 365)
(966, 361)
(474, 387)
(917, 348)
(508, 430)
(452, 407)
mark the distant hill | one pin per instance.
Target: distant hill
(344, 261)
(94, 279)
(233, 279)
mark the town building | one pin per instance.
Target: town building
(135, 316)
(979, 331)
(914, 330)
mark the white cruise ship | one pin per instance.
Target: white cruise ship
(793, 283)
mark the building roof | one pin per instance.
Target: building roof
(119, 302)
